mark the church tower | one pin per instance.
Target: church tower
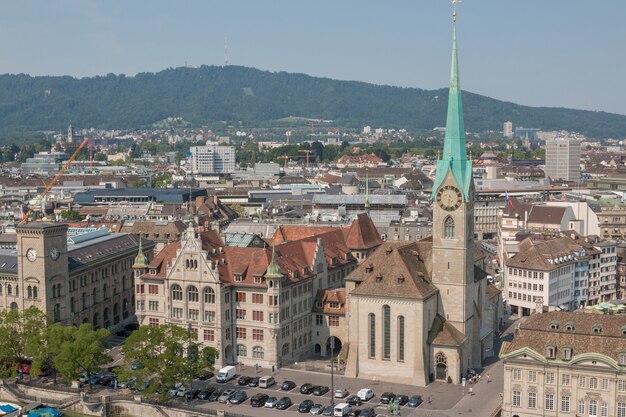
(453, 216)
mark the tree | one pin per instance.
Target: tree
(164, 356)
(18, 330)
(82, 352)
(71, 215)
(45, 346)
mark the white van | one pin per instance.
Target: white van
(365, 394)
(266, 381)
(342, 410)
(225, 374)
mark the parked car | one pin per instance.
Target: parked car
(205, 393)
(368, 412)
(365, 394)
(284, 403)
(254, 382)
(387, 397)
(215, 395)
(259, 400)
(238, 397)
(226, 396)
(271, 402)
(341, 393)
(305, 406)
(193, 393)
(204, 375)
(354, 400)
(317, 409)
(320, 390)
(288, 386)
(306, 388)
(328, 411)
(244, 380)
(174, 390)
(356, 412)
(182, 391)
(402, 399)
(414, 401)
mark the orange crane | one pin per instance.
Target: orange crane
(286, 158)
(308, 154)
(53, 181)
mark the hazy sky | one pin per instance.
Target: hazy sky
(536, 52)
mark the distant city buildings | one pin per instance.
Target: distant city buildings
(212, 159)
(563, 159)
(507, 130)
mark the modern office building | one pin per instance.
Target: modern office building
(212, 159)
(507, 130)
(563, 159)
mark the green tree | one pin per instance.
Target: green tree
(163, 355)
(71, 215)
(18, 330)
(45, 346)
(82, 352)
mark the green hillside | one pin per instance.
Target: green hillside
(209, 93)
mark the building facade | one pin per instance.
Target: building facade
(566, 364)
(212, 159)
(563, 159)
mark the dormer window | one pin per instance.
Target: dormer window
(624, 331)
(238, 277)
(597, 328)
(400, 279)
(258, 279)
(379, 278)
(319, 304)
(569, 326)
(567, 353)
(369, 268)
(551, 353)
(554, 325)
(333, 305)
(295, 274)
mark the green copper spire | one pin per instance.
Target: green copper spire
(273, 270)
(454, 157)
(141, 262)
(367, 193)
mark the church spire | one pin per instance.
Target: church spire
(454, 157)
(367, 193)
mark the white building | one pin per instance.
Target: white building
(507, 130)
(563, 159)
(212, 159)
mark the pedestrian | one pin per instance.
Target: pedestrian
(429, 399)
(488, 378)
(479, 377)
(471, 391)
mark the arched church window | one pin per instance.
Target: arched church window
(177, 292)
(448, 228)
(209, 295)
(35, 292)
(400, 338)
(386, 332)
(372, 338)
(440, 358)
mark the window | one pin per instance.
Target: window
(209, 316)
(516, 399)
(257, 334)
(582, 381)
(605, 384)
(193, 314)
(532, 400)
(565, 380)
(567, 353)
(386, 332)
(319, 319)
(177, 312)
(593, 407)
(258, 352)
(565, 404)
(242, 350)
(549, 402)
(57, 313)
(517, 374)
(177, 293)
(192, 294)
(581, 407)
(285, 349)
(209, 295)
(551, 352)
(372, 335)
(593, 383)
(257, 298)
(532, 376)
(272, 300)
(240, 297)
(153, 289)
(549, 378)
(209, 335)
(621, 385)
(621, 409)
(622, 358)
(604, 410)
(241, 332)
(333, 321)
(448, 228)
(153, 322)
(257, 315)
(153, 305)
(401, 338)
(241, 314)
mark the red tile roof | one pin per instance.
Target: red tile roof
(362, 234)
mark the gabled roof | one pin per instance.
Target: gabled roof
(330, 296)
(160, 262)
(362, 234)
(547, 214)
(396, 269)
(444, 333)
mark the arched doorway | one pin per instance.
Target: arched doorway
(441, 366)
(96, 321)
(333, 346)
(318, 349)
(228, 354)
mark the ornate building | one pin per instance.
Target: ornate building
(415, 309)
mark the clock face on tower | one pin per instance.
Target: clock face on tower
(54, 254)
(31, 254)
(449, 198)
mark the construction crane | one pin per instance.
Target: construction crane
(54, 180)
(286, 158)
(308, 154)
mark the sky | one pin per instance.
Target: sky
(533, 52)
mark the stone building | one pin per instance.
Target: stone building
(82, 279)
(566, 364)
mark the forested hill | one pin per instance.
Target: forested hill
(233, 93)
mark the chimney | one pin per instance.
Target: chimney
(539, 305)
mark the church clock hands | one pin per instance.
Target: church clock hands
(449, 198)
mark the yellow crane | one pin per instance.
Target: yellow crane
(52, 182)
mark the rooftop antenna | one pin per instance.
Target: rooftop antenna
(225, 51)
